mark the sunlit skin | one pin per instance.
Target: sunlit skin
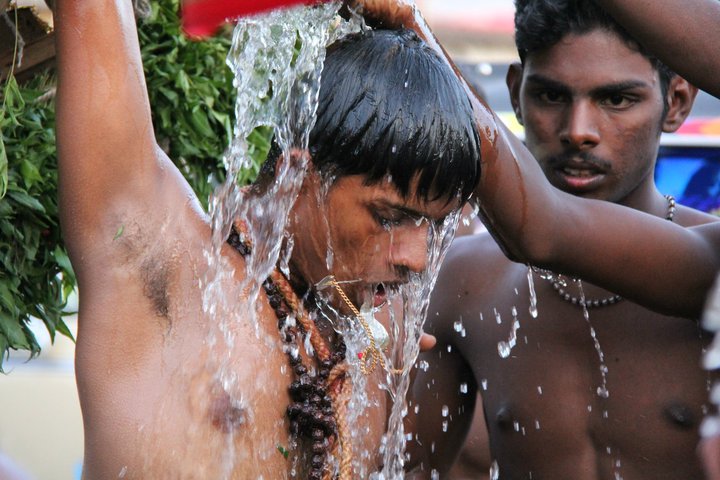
(593, 112)
(148, 353)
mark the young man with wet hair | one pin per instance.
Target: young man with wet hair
(605, 382)
(395, 137)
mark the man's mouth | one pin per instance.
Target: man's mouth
(580, 177)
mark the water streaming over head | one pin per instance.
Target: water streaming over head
(277, 60)
(405, 346)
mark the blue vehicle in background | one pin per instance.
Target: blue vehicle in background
(692, 174)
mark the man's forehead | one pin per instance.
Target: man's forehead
(597, 57)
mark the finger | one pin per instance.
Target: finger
(427, 342)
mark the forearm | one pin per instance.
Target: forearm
(104, 129)
(681, 33)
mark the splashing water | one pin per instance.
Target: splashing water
(494, 471)
(504, 348)
(533, 296)
(405, 335)
(602, 390)
(277, 59)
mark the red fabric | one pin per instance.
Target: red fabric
(201, 18)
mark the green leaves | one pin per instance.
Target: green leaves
(192, 100)
(191, 94)
(32, 283)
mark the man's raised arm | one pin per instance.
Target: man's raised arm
(683, 34)
(655, 263)
(106, 147)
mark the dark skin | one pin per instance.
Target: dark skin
(653, 435)
(523, 212)
(689, 51)
(657, 389)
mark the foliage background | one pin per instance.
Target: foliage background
(192, 101)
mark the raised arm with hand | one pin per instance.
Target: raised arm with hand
(681, 33)
(111, 168)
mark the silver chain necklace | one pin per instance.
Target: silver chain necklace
(559, 284)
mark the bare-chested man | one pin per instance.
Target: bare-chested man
(621, 394)
(396, 136)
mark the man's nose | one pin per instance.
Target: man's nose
(409, 248)
(580, 129)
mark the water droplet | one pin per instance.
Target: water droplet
(537, 424)
(416, 409)
(533, 296)
(463, 387)
(423, 365)
(444, 425)
(449, 348)
(516, 426)
(602, 392)
(445, 410)
(458, 326)
(494, 471)
(539, 388)
(484, 383)
(434, 475)
(503, 349)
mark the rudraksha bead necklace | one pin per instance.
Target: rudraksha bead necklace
(317, 410)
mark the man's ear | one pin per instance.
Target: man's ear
(514, 80)
(680, 98)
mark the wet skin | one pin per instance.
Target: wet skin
(376, 237)
(593, 113)
(146, 351)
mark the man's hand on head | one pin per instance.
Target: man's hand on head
(392, 14)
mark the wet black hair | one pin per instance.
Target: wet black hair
(540, 24)
(390, 106)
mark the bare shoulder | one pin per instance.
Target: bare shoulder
(474, 260)
(472, 271)
(689, 217)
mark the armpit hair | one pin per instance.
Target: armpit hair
(155, 277)
(151, 263)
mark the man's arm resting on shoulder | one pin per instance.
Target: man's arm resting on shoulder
(628, 252)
